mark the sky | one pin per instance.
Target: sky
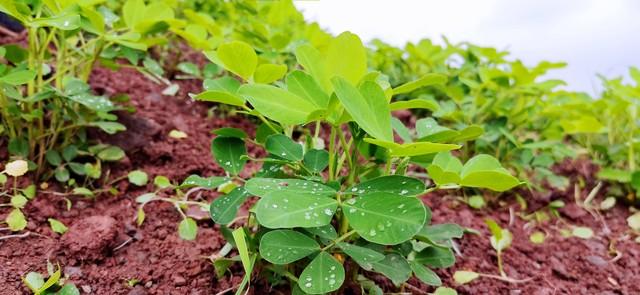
(592, 36)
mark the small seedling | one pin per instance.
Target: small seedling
(54, 284)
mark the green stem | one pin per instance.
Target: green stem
(332, 151)
(338, 240)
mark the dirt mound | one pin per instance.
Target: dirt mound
(90, 238)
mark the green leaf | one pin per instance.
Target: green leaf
(65, 22)
(161, 182)
(469, 133)
(261, 186)
(394, 184)
(230, 132)
(153, 66)
(325, 232)
(442, 232)
(445, 291)
(365, 257)
(401, 130)
(82, 191)
(18, 77)
(324, 266)
(414, 104)
(618, 175)
(412, 149)
(189, 68)
(221, 97)
(111, 153)
(427, 80)
(57, 226)
(269, 73)
(132, 12)
(77, 168)
(367, 106)
(286, 209)
(18, 201)
(304, 86)
(284, 147)
(316, 160)
(52, 280)
(16, 220)
(225, 208)
(445, 169)
(229, 153)
(188, 229)
(277, 104)
(61, 174)
(436, 257)
(485, 171)
(346, 57)
(582, 232)
(286, 246)
(34, 281)
(425, 274)
(144, 198)
(109, 127)
(463, 277)
(138, 177)
(476, 202)
(238, 57)
(634, 221)
(223, 84)
(500, 238)
(53, 157)
(311, 59)
(240, 240)
(205, 182)
(68, 289)
(385, 218)
(537, 237)
(394, 267)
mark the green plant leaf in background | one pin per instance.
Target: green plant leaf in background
(304, 86)
(211, 182)
(261, 186)
(427, 80)
(286, 246)
(138, 177)
(316, 160)
(57, 226)
(269, 73)
(486, 172)
(225, 208)
(445, 169)
(284, 147)
(367, 106)
(229, 153)
(284, 209)
(346, 57)
(394, 184)
(385, 218)
(188, 229)
(312, 279)
(365, 257)
(395, 267)
(412, 149)
(277, 104)
(237, 57)
(425, 274)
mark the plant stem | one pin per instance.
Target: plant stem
(338, 240)
(332, 151)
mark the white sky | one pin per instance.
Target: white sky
(593, 36)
